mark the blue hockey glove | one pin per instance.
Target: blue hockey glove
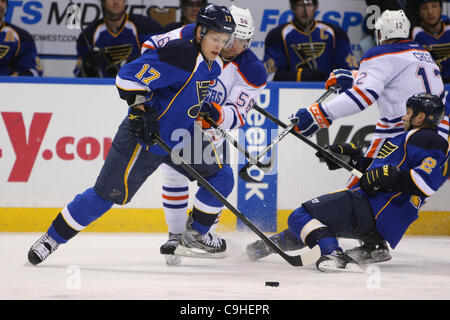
(341, 80)
(378, 179)
(310, 120)
(143, 124)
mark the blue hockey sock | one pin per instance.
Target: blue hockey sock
(83, 210)
(311, 231)
(202, 220)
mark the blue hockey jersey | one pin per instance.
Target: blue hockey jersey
(288, 51)
(424, 154)
(118, 48)
(175, 80)
(438, 45)
(18, 52)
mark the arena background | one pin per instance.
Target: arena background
(52, 143)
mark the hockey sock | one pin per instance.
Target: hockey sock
(77, 215)
(175, 198)
(202, 220)
(223, 182)
(311, 231)
(175, 203)
(287, 241)
(207, 207)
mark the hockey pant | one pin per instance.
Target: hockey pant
(345, 214)
(125, 169)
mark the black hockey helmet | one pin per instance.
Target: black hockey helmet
(429, 104)
(216, 18)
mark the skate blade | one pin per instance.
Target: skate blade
(172, 260)
(375, 259)
(331, 267)
(197, 253)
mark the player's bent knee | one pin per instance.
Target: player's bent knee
(223, 180)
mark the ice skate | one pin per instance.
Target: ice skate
(370, 253)
(194, 244)
(41, 249)
(168, 249)
(337, 261)
(284, 240)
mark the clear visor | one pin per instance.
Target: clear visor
(237, 43)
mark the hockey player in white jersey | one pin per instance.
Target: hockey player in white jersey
(389, 74)
(228, 101)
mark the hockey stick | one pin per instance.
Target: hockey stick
(323, 151)
(243, 173)
(263, 166)
(307, 258)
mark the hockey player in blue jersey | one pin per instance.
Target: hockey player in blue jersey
(108, 43)
(164, 89)
(18, 54)
(305, 49)
(434, 34)
(228, 101)
(381, 207)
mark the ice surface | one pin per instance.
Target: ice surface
(129, 266)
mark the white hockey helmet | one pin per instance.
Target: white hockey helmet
(245, 27)
(392, 25)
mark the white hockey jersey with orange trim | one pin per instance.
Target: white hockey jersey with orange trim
(389, 74)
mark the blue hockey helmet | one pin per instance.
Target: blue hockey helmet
(216, 18)
(430, 104)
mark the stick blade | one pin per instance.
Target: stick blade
(305, 259)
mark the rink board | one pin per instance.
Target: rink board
(55, 134)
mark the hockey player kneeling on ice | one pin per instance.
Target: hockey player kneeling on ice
(380, 208)
(164, 89)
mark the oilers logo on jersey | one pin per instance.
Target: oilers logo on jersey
(217, 92)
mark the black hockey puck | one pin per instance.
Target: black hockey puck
(272, 283)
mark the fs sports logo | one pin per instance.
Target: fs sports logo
(28, 144)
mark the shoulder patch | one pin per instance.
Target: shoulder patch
(274, 35)
(428, 139)
(23, 34)
(179, 53)
(391, 48)
(251, 68)
(338, 31)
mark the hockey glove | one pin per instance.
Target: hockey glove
(143, 124)
(310, 120)
(92, 61)
(214, 111)
(382, 178)
(341, 80)
(347, 152)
